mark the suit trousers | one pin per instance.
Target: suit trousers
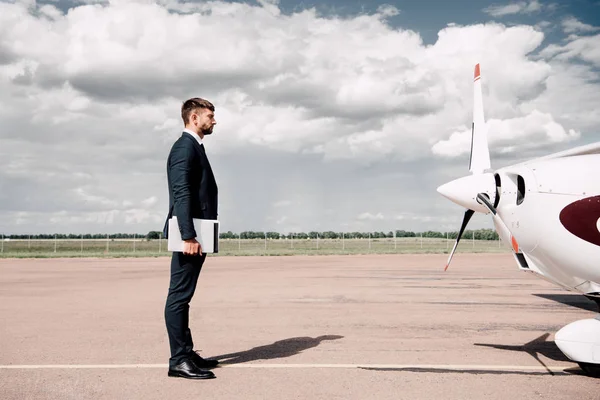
(185, 270)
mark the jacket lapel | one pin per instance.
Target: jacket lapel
(200, 149)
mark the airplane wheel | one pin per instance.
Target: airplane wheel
(592, 370)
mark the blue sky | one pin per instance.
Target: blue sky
(344, 120)
(428, 17)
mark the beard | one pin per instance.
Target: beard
(207, 131)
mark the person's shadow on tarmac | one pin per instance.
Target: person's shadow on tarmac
(279, 349)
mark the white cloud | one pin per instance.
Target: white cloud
(94, 200)
(150, 201)
(521, 7)
(387, 10)
(370, 217)
(586, 48)
(140, 216)
(350, 89)
(573, 25)
(270, 5)
(50, 11)
(508, 134)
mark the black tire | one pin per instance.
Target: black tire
(592, 370)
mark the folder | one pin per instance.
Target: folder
(207, 231)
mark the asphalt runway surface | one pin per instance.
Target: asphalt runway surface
(300, 327)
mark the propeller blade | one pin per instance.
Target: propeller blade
(466, 218)
(480, 153)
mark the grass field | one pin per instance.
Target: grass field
(235, 247)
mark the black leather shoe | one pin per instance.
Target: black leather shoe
(202, 362)
(189, 370)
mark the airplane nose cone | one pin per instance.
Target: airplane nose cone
(449, 190)
(463, 191)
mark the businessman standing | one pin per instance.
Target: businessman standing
(192, 194)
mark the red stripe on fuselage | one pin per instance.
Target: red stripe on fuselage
(581, 219)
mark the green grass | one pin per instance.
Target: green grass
(120, 248)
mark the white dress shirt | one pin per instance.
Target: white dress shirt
(194, 135)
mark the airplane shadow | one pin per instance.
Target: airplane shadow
(535, 348)
(279, 349)
(538, 346)
(573, 300)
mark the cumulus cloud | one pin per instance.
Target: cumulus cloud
(521, 7)
(583, 48)
(573, 25)
(336, 87)
(509, 134)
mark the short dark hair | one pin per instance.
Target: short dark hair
(191, 105)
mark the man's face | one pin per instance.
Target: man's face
(204, 121)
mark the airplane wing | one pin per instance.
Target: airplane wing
(592, 148)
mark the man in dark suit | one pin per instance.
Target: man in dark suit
(192, 194)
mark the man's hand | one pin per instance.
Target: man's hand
(191, 247)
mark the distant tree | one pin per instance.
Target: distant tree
(153, 235)
(329, 235)
(227, 235)
(432, 234)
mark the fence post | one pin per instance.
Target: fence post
(473, 239)
(134, 242)
(82, 243)
(29, 242)
(265, 240)
(317, 241)
(55, 242)
(446, 240)
(107, 241)
(421, 239)
(395, 245)
(2, 251)
(160, 242)
(369, 240)
(343, 242)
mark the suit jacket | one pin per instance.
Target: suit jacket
(192, 187)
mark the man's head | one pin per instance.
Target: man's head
(199, 116)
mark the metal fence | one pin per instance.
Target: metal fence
(145, 247)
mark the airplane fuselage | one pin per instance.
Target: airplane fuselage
(552, 209)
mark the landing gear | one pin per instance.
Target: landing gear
(580, 342)
(592, 370)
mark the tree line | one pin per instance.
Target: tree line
(480, 234)
(79, 236)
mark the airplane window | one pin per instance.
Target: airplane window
(520, 189)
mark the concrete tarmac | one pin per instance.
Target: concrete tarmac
(301, 327)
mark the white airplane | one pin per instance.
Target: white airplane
(548, 211)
